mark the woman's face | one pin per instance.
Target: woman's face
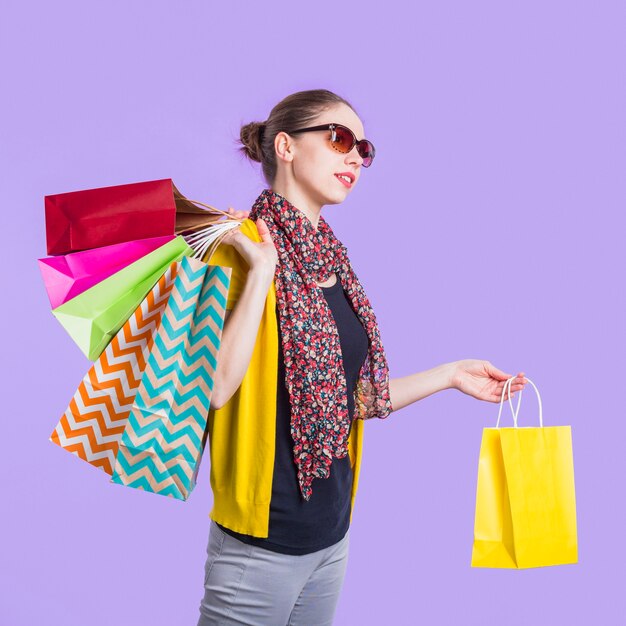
(315, 165)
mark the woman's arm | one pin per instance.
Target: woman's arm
(239, 334)
(475, 377)
(241, 325)
(408, 389)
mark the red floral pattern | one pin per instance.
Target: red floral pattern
(315, 378)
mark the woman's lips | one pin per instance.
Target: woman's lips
(341, 180)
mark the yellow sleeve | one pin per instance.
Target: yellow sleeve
(242, 434)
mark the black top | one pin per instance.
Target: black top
(297, 526)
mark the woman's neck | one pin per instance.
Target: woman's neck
(300, 201)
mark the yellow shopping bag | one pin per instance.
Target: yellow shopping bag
(525, 499)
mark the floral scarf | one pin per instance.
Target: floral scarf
(315, 377)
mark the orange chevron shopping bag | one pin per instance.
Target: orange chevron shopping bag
(525, 500)
(140, 412)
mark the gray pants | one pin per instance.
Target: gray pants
(245, 584)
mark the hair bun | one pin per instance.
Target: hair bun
(251, 138)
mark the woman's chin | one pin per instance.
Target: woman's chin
(339, 195)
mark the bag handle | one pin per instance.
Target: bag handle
(206, 240)
(507, 386)
(202, 229)
(190, 217)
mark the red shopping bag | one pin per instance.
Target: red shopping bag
(92, 218)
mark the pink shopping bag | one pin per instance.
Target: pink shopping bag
(68, 275)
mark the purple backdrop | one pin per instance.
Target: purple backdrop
(489, 227)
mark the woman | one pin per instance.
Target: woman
(301, 367)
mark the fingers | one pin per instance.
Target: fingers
(238, 214)
(517, 384)
(264, 231)
(518, 381)
(231, 234)
(496, 373)
(512, 389)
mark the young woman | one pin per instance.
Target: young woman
(301, 367)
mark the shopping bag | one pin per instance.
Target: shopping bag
(93, 422)
(92, 218)
(162, 443)
(525, 499)
(94, 317)
(190, 217)
(92, 425)
(67, 276)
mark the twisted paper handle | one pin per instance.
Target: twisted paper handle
(204, 238)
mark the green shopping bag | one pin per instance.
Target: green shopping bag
(93, 318)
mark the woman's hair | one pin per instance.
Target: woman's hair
(295, 111)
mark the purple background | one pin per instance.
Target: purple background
(489, 227)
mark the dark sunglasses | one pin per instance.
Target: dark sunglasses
(343, 140)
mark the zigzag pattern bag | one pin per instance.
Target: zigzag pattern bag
(140, 412)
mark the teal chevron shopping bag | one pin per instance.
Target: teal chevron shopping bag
(162, 444)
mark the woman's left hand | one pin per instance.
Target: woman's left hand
(481, 380)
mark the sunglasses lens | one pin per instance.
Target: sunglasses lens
(366, 150)
(343, 140)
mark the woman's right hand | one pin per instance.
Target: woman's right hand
(256, 254)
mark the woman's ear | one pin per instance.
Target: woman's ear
(283, 145)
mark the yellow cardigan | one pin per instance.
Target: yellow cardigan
(242, 434)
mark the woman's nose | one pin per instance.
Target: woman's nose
(354, 157)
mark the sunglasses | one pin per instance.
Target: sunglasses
(343, 140)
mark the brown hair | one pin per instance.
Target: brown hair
(295, 111)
